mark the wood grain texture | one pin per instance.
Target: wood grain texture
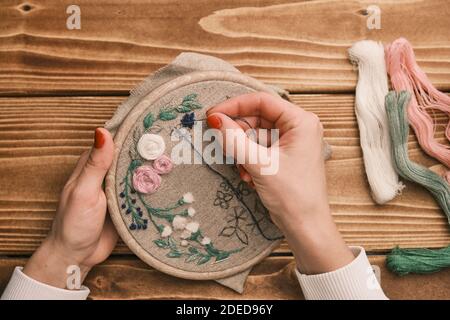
(41, 139)
(300, 45)
(273, 278)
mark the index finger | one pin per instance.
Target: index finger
(259, 104)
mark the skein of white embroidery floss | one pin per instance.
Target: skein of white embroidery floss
(371, 90)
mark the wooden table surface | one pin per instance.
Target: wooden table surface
(58, 85)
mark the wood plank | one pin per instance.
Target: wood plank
(299, 45)
(273, 278)
(41, 139)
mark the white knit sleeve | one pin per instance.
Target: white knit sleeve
(356, 280)
(22, 287)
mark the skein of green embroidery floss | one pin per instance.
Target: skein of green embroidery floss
(404, 261)
(421, 260)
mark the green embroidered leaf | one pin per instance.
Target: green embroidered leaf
(191, 96)
(211, 250)
(173, 254)
(183, 109)
(204, 259)
(193, 250)
(195, 235)
(149, 120)
(191, 104)
(161, 243)
(172, 243)
(160, 228)
(222, 256)
(167, 115)
(195, 105)
(191, 258)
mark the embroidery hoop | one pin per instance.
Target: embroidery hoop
(111, 192)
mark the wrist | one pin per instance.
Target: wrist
(317, 245)
(49, 265)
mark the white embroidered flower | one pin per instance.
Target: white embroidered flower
(185, 234)
(184, 243)
(150, 146)
(167, 231)
(188, 198)
(206, 241)
(191, 212)
(179, 222)
(192, 227)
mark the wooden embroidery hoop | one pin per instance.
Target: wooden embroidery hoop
(111, 192)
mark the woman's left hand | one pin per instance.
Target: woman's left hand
(82, 235)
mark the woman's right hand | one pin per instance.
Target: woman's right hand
(295, 194)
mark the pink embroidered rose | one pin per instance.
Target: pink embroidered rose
(163, 164)
(146, 180)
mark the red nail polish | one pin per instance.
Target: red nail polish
(99, 139)
(214, 122)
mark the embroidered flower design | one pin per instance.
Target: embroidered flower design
(167, 231)
(188, 120)
(205, 241)
(192, 227)
(234, 228)
(242, 190)
(163, 164)
(179, 222)
(223, 199)
(146, 180)
(178, 234)
(188, 198)
(185, 234)
(184, 243)
(191, 212)
(150, 146)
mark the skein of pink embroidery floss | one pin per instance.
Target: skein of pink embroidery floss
(371, 90)
(406, 75)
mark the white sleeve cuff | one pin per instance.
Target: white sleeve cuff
(355, 281)
(22, 287)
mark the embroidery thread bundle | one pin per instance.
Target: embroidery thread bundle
(405, 74)
(396, 106)
(371, 90)
(404, 261)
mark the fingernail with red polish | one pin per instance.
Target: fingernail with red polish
(214, 121)
(99, 138)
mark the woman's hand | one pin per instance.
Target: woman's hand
(81, 234)
(296, 194)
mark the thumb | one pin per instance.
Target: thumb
(235, 141)
(98, 162)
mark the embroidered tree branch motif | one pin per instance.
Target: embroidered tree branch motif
(233, 227)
